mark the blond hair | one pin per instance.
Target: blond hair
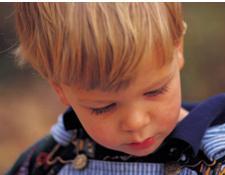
(96, 45)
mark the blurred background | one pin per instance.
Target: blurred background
(28, 107)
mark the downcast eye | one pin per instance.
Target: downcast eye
(98, 111)
(156, 92)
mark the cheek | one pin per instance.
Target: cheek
(170, 110)
(169, 118)
(99, 131)
(103, 135)
(96, 132)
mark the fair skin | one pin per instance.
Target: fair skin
(136, 120)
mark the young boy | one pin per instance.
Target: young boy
(117, 66)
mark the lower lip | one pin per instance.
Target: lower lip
(143, 145)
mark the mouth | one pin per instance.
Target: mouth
(144, 144)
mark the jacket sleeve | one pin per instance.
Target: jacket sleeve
(25, 164)
(22, 164)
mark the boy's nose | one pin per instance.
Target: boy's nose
(134, 119)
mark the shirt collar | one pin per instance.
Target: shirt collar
(201, 116)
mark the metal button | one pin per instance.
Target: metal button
(80, 161)
(172, 150)
(183, 157)
(174, 153)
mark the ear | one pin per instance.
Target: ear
(59, 91)
(179, 53)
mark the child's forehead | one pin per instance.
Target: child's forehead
(146, 78)
(150, 66)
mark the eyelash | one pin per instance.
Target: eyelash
(98, 111)
(156, 92)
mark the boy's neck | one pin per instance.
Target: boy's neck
(183, 114)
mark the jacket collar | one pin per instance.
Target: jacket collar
(201, 116)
